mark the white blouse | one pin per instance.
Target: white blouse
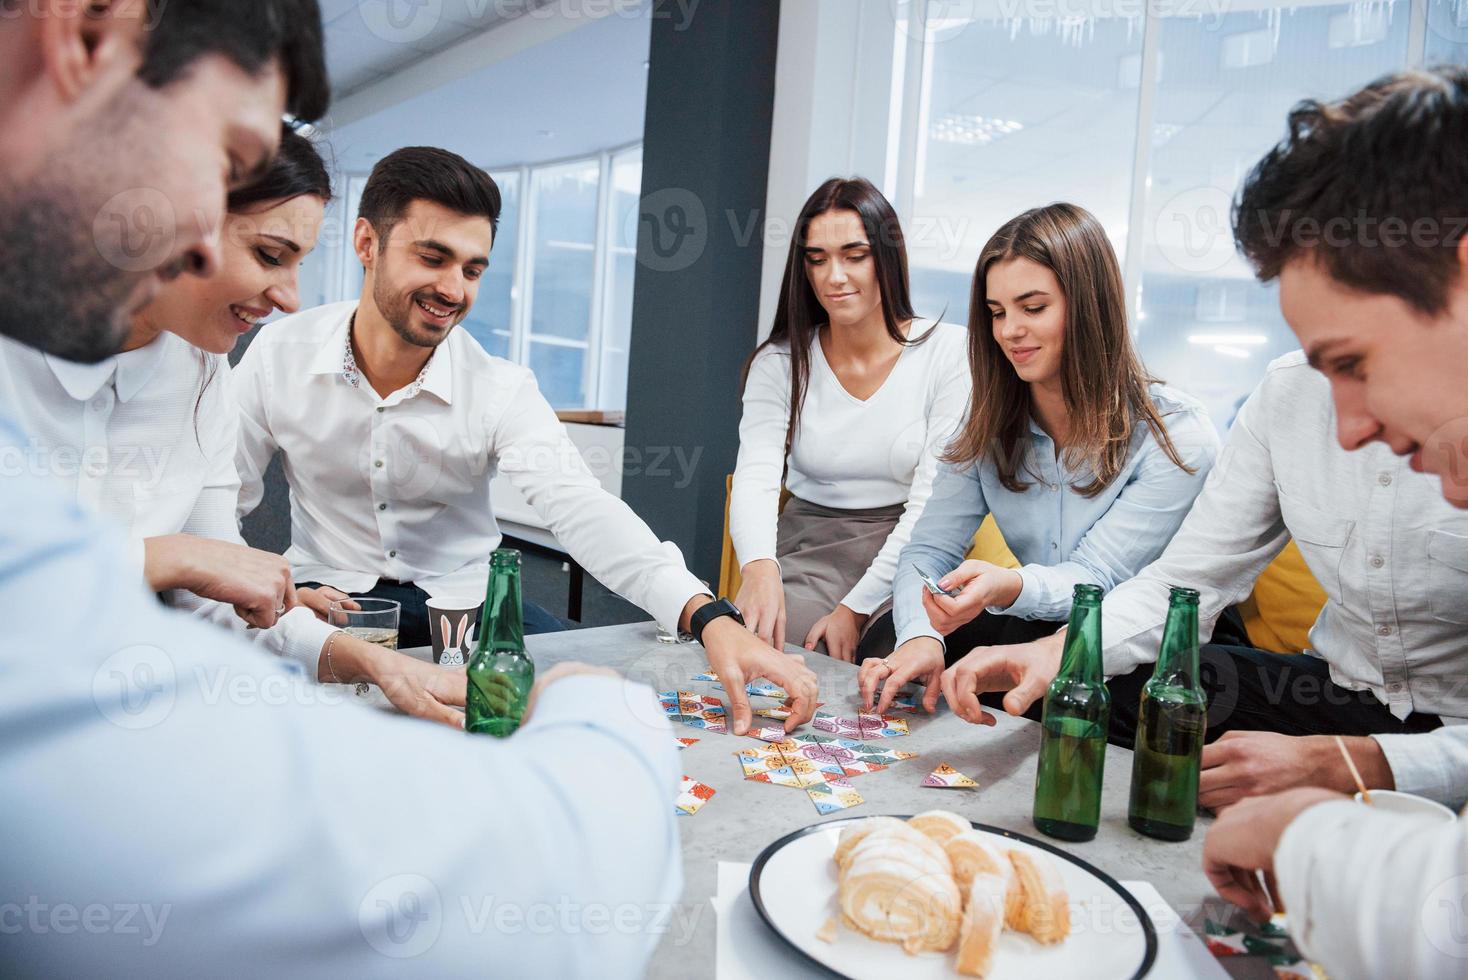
(849, 454)
(146, 441)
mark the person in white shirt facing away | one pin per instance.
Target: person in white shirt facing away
(217, 812)
(154, 430)
(849, 402)
(1360, 214)
(1087, 464)
(391, 422)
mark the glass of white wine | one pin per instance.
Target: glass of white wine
(373, 620)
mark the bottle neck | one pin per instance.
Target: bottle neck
(502, 625)
(1081, 658)
(1177, 659)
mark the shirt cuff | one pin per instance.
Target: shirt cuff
(1027, 604)
(1424, 764)
(299, 636)
(866, 596)
(669, 593)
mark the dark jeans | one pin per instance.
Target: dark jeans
(413, 620)
(1255, 690)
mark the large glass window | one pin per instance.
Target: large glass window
(1015, 116)
(621, 260)
(492, 319)
(1204, 323)
(563, 211)
(1151, 122)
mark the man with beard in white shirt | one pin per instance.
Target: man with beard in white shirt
(391, 422)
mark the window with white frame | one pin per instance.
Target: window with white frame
(1149, 115)
(557, 295)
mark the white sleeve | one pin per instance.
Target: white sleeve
(597, 529)
(235, 815)
(754, 500)
(947, 406)
(1373, 894)
(298, 635)
(1432, 764)
(256, 444)
(1233, 530)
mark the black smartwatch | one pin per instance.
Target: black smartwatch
(710, 611)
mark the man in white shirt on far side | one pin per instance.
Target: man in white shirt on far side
(1360, 213)
(391, 421)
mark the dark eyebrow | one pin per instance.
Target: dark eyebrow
(430, 245)
(284, 241)
(1022, 296)
(809, 249)
(1317, 354)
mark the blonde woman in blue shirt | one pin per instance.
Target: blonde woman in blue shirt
(1086, 462)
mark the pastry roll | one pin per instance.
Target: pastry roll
(890, 900)
(971, 854)
(983, 920)
(940, 825)
(1044, 907)
(854, 834)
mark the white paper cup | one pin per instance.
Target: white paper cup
(1407, 804)
(451, 623)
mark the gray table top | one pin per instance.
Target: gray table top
(744, 816)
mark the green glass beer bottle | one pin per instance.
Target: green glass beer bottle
(500, 671)
(1073, 729)
(1170, 728)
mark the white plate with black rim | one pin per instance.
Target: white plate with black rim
(793, 886)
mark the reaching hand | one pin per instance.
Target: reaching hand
(1242, 842)
(920, 659)
(319, 600)
(1025, 670)
(738, 657)
(984, 584)
(841, 629)
(1244, 764)
(256, 583)
(761, 601)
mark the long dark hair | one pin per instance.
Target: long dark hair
(800, 315)
(1102, 378)
(297, 169)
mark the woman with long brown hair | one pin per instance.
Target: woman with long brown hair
(848, 403)
(1087, 463)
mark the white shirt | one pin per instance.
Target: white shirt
(849, 454)
(146, 440)
(1373, 894)
(1390, 553)
(219, 814)
(398, 487)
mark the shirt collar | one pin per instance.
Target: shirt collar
(336, 357)
(132, 370)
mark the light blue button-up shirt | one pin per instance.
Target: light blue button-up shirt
(1061, 538)
(175, 803)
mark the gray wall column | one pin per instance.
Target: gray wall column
(705, 159)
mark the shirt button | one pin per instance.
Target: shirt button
(1054, 546)
(1383, 631)
(392, 554)
(380, 409)
(1377, 561)
(99, 404)
(1385, 479)
(378, 464)
(1394, 688)
(382, 506)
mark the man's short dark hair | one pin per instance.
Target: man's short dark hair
(251, 34)
(426, 173)
(1374, 187)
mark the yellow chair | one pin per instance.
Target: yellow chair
(1278, 614)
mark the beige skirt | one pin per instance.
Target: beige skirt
(823, 553)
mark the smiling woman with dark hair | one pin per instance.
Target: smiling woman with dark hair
(848, 402)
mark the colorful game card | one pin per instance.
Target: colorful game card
(947, 777)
